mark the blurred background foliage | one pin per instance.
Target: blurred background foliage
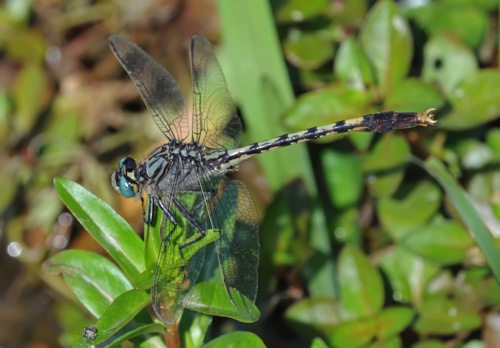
(366, 250)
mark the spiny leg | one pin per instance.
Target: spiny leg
(166, 212)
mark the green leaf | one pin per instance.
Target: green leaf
(442, 242)
(112, 232)
(95, 280)
(361, 288)
(392, 321)
(460, 200)
(413, 94)
(466, 21)
(129, 332)
(210, 298)
(344, 177)
(353, 334)
(385, 163)
(399, 216)
(316, 315)
(352, 66)
(408, 274)
(441, 316)
(475, 102)
(123, 309)
(308, 50)
(241, 339)
(386, 39)
(442, 56)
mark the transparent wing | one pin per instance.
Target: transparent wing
(159, 90)
(180, 259)
(215, 123)
(234, 215)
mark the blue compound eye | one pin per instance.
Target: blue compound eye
(127, 188)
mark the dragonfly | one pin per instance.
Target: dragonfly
(186, 178)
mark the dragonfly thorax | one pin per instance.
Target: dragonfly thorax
(171, 162)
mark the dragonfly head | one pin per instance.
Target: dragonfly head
(123, 179)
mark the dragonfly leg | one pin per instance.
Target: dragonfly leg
(166, 212)
(192, 220)
(187, 214)
(147, 215)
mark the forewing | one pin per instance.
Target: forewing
(234, 215)
(159, 90)
(215, 123)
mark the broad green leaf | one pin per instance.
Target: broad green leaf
(441, 242)
(308, 50)
(408, 274)
(466, 21)
(475, 102)
(353, 334)
(399, 216)
(386, 39)
(413, 94)
(352, 66)
(239, 339)
(316, 315)
(442, 56)
(361, 288)
(210, 298)
(95, 280)
(123, 309)
(393, 320)
(344, 177)
(441, 316)
(112, 232)
(384, 165)
(129, 333)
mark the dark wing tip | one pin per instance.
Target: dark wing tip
(120, 43)
(115, 39)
